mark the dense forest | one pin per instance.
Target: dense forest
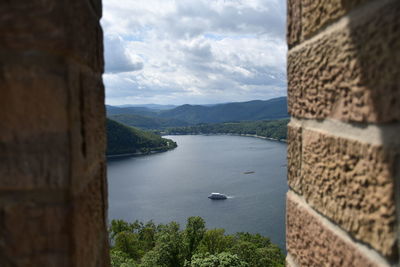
(275, 129)
(147, 122)
(122, 139)
(166, 245)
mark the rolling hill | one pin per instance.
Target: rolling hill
(143, 111)
(241, 111)
(271, 109)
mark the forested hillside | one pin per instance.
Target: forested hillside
(275, 129)
(146, 122)
(122, 139)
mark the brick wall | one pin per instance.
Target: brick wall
(52, 137)
(344, 135)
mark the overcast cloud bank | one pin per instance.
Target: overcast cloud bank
(193, 51)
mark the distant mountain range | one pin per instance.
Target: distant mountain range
(161, 117)
(149, 106)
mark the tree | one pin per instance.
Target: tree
(118, 226)
(194, 232)
(214, 241)
(129, 243)
(246, 251)
(168, 251)
(270, 256)
(147, 236)
(120, 259)
(223, 259)
(165, 245)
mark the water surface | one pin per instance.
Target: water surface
(174, 185)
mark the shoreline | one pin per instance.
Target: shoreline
(246, 135)
(263, 137)
(137, 153)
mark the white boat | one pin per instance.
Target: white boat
(217, 196)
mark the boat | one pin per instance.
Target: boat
(217, 196)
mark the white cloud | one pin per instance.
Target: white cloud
(117, 57)
(194, 51)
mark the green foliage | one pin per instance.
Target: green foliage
(224, 259)
(122, 139)
(168, 251)
(118, 226)
(147, 122)
(215, 241)
(165, 245)
(120, 259)
(193, 234)
(271, 129)
(129, 243)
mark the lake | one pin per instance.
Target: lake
(174, 185)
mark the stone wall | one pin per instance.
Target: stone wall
(344, 135)
(53, 192)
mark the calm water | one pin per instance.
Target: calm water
(174, 185)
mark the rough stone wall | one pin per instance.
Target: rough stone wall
(344, 135)
(53, 193)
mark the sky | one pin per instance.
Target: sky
(193, 51)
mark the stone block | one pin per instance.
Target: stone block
(36, 163)
(293, 32)
(317, 14)
(349, 72)
(33, 122)
(294, 149)
(312, 241)
(88, 137)
(351, 183)
(68, 28)
(307, 17)
(34, 234)
(62, 111)
(34, 95)
(289, 261)
(90, 240)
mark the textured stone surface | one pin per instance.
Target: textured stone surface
(68, 28)
(312, 242)
(34, 234)
(293, 22)
(62, 113)
(53, 193)
(294, 156)
(86, 127)
(289, 261)
(308, 17)
(89, 219)
(318, 13)
(34, 122)
(352, 184)
(350, 72)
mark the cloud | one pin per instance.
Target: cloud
(194, 51)
(118, 58)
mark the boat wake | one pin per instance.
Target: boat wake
(230, 196)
